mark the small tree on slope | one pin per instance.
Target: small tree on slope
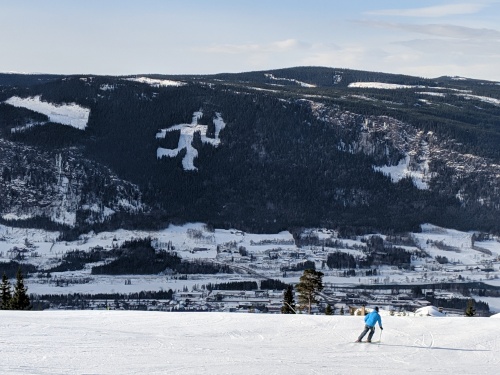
(5, 293)
(470, 310)
(328, 310)
(20, 299)
(310, 283)
(288, 301)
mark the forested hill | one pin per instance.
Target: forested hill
(258, 151)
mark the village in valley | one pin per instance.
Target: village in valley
(436, 267)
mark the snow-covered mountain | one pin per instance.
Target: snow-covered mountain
(257, 151)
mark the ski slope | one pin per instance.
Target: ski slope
(124, 342)
(66, 114)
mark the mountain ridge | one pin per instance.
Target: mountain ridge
(305, 146)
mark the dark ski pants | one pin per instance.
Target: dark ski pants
(370, 335)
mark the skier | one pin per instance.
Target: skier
(370, 320)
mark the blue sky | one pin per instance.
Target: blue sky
(422, 38)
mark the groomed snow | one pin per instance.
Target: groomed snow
(157, 82)
(300, 83)
(133, 343)
(66, 114)
(187, 132)
(379, 85)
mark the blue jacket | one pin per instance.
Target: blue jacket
(372, 318)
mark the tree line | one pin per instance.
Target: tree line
(16, 299)
(310, 286)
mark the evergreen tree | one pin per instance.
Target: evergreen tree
(328, 310)
(5, 293)
(470, 310)
(288, 301)
(310, 283)
(417, 291)
(20, 299)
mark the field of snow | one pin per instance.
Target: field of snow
(481, 98)
(402, 170)
(393, 86)
(431, 93)
(112, 342)
(66, 114)
(156, 82)
(300, 83)
(379, 85)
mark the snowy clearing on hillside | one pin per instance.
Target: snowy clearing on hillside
(65, 114)
(431, 93)
(261, 89)
(157, 82)
(402, 170)
(379, 85)
(107, 87)
(11, 216)
(483, 99)
(300, 83)
(133, 343)
(186, 139)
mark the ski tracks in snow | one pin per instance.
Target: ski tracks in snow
(410, 345)
(134, 343)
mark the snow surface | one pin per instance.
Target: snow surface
(124, 342)
(431, 93)
(66, 114)
(391, 86)
(484, 99)
(11, 216)
(186, 139)
(429, 311)
(379, 85)
(157, 82)
(107, 87)
(300, 83)
(402, 170)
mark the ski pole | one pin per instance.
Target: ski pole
(380, 338)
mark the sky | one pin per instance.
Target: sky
(136, 343)
(427, 38)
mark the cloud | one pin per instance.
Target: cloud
(277, 46)
(440, 30)
(433, 11)
(449, 50)
(428, 50)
